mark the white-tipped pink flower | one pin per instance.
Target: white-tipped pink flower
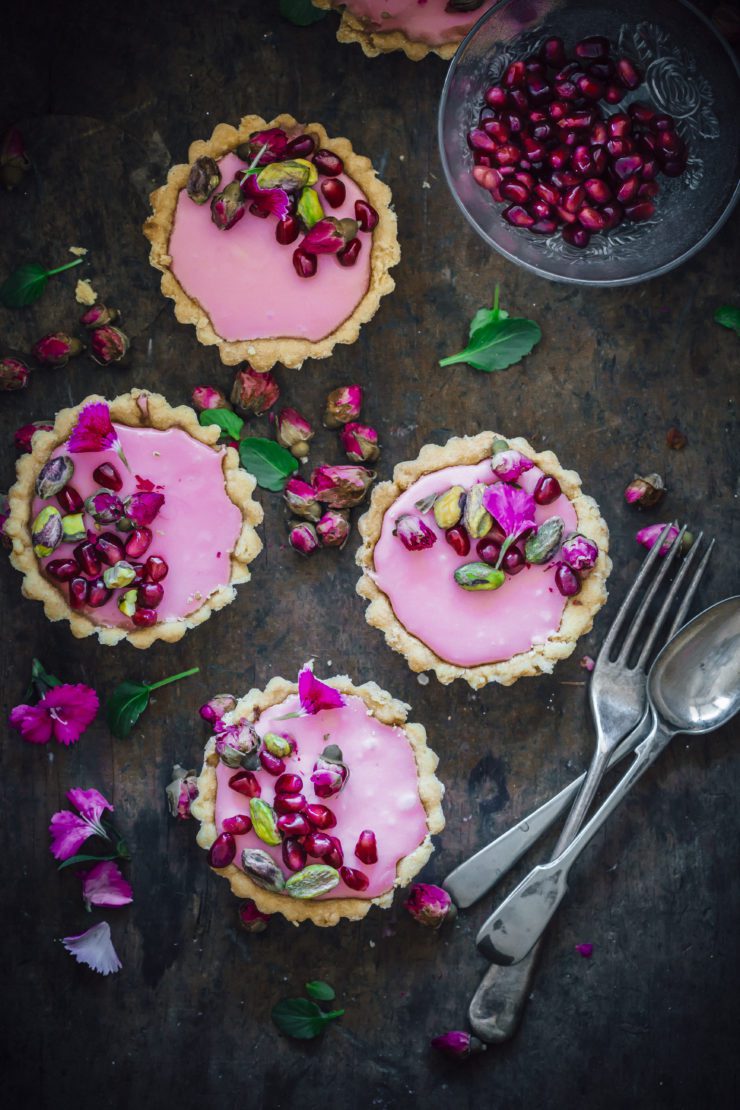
(413, 533)
(104, 885)
(359, 442)
(300, 497)
(94, 948)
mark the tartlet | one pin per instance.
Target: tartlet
(500, 625)
(242, 287)
(417, 27)
(153, 539)
(390, 792)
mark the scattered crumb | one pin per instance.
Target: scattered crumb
(425, 185)
(587, 663)
(79, 252)
(401, 157)
(84, 293)
(372, 943)
(423, 679)
(251, 349)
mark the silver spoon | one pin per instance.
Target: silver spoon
(693, 687)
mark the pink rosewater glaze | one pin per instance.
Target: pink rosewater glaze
(420, 20)
(467, 627)
(245, 279)
(196, 529)
(381, 793)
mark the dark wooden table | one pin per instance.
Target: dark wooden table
(108, 97)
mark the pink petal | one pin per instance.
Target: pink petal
(71, 709)
(94, 431)
(104, 885)
(512, 508)
(90, 803)
(585, 950)
(316, 695)
(33, 722)
(94, 948)
(274, 201)
(68, 833)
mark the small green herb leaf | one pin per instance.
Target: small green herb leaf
(496, 340)
(300, 12)
(129, 700)
(85, 859)
(270, 463)
(729, 317)
(300, 1018)
(229, 423)
(320, 991)
(26, 284)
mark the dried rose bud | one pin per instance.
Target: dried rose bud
(413, 533)
(458, 1045)
(675, 439)
(649, 536)
(217, 706)
(14, 374)
(587, 663)
(300, 497)
(302, 537)
(203, 179)
(228, 207)
(24, 435)
(5, 540)
(56, 349)
(142, 508)
(430, 905)
(334, 528)
(234, 743)
(330, 772)
(181, 792)
(253, 392)
(342, 405)
(274, 139)
(359, 442)
(342, 487)
(98, 316)
(14, 161)
(645, 492)
(294, 432)
(208, 397)
(251, 919)
(329, 235)
(507, 463)
(579, 552)
(108, 344)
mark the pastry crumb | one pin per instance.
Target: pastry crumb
(84, 292)
(423, 679)
(79, 252)
(425, 185)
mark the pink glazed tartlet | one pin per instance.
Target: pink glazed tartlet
(317, 799)
(128, 521)
(483, 560)
(418, 27)
(275, 241)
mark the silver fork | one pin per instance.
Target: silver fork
(497, 1005)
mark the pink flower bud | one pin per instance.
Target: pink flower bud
(294, 432)
(98, 316)
(14, 161)
(216, 707)
(579, 552)
(253, 392)
(645, 492)
(330, 773)
(14, 374)
(300, 497)
(228, 207)
(181, 792)
(25, 434)
(251, 919)
(458, 1045)
(359, 442)
(649, 536)
(56, 349)
(413, 533)
(234, 743)
(334, 528)
(108, 344)
(208, 397)
(142, 508)
(342, 405)
(509, 464)
(430, 905)
(302, 537)
(274, 139)
(328, 236)
(342, 487)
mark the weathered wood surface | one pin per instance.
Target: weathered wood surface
(108, 98)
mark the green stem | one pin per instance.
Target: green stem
(60, 269)
(452, 359)
(174, 678)
(504, 548)
(495, 304)
(253, 163)
(333, 1014)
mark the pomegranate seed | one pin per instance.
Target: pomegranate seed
(144, 618)
(497, 130)
(514, 122)
(627, 191)
(614, 94)
(648, 190)
(541, 209)
(558, 158)
(570, 138)
(328, 163)
(458, 539)
(479, 140)
(537, 115)
(70, 500)
(619, 148)
(87, 559)
(525, 179)
(557, 109)
(576, 236)
(597, 190)
(286, 230)
(302, 146)
(488, 550)
(591, 218)
(582, 161)
(317, 843)
(149, 595)
(517, 216)
(366, 848)
(590, 87)
(602, 70)
(538, 89)
(649, 169)
(272, 763)
(548, 193)
(355, 880)
(628, 74)
(335, 856)
(62, 569)
(534, 150)
(245, 782)
(614, 214)
(567, 581)
(641, 112)
(138, 541)
(78, 591)
(347, 256)
(566, 216)
(366, 215)
(289, 803)
(574, 198)
(507, 154)
(519, 102)
(580, 120)
(237, 825)
(643, 210)
(107, 476)
(486, 178)
(514, 561)
(547, 490)
(512, 190)
(293, 824)
(567, 179)
(496, 96)
(619, 125)
(599, 133)
(593, 48)
(627, 166)
(543, 132)
(670, 145)
(663, 122)
(138, 574)
(600, 160)
(480, 159)
(110, 548)
(222, 851)
(566, 90)
(553, 51)
(515, 75)
(571, 69)
(289, 784)
(155, 568)
(294, 855)
(320, 817)
(98, 593)
(544, 226)
(304, 263)
(534, 64)
(506, 171)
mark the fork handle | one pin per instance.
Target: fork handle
(496, 1007)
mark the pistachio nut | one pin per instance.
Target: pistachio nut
(448, 507)
(47, 531)
(264, 821)
(277, 745)
(546, 540)
(262, 869)
(127, 603)
(425, 504)
(308, 209)
(290, 175)
(479, 576)
(119, 575)
(54, 476)
(73, 528)
(317, 878)
(477, 520)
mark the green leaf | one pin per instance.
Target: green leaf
(729, 317)
(301, 12)
(225, 419)
(270, 463)
(484, 316)
(125, 705)
(84, 859)
(496, 340)
(300, 1018)
(320, 991)
(26, 284)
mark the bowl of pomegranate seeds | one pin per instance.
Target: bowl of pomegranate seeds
(592, 143)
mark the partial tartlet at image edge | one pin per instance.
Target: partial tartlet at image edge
(429, 29)
(391, 779)
(324, 309)
(168, 442)
(476, 626)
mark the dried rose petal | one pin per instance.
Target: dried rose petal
(253, 392)
(294, 432)
(56, 349)
(359, 442)
(14, 374)
(457, 1044)
(300, 497)
(585, 950)
(108, 344)
(342, 487)
(430, 905)
(413, 533)
(208, 397)
(645, 492)
(342, 405)
(251, 919)
(303, 537)
(587, 663)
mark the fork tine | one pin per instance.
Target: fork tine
(642, 574)
(668, 602)
(642, 609)
(683, 609)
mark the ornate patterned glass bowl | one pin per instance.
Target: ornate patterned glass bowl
(689, 73)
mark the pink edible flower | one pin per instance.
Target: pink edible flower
(585, 950)
(579, 552)
(273, 139)
(508, 465)
(94, 948)
(275, 202)
(413, 533)
(293, 431)
(429, 905)
(94, 432)
(104, 885)
(300, 497)
(142, 508)
(649, 536)
(64, 712)
(512, 508)
(303, 537)
(316, 695)
(69, 832)
(5, 540)
(457, 1044)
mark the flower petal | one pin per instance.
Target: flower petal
(316, 695)
(511, 507)
(104, 885)
(90, 803)
(33, 722)
(94, 948)
(68, 833)
(72, 709)
(273, 201)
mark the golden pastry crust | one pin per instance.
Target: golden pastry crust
(326, 911)
(579, 611)
(373, 43)
(262, 354)
(138, 409)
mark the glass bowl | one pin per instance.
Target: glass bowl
(689, 72)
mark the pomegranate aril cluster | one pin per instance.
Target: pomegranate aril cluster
(546, 147)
